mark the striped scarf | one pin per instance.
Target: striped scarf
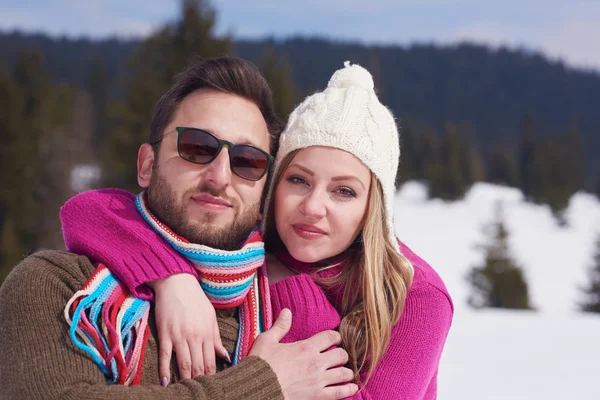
(109, 324)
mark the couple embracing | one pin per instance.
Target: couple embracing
(258, 262)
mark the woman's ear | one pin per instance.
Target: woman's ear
(145, 164)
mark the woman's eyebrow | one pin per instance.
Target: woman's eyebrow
(304, 169)
(348, 177)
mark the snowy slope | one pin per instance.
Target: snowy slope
(493, 354)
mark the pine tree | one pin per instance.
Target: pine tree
(444, 176)
(503, 168)
(419, 150)
(598, 184)
(427, 145)
(499, 282)
(11, 103)
(567, 172)
(278, 73)
(458, 166)
(574, 157)
(64, 143)
(473, 164)
(551, 170)
(527, 153)
(554, 176)
(23, 157)
(40, 129)
(408, 153)
(98, 89)
(151, 72)
(592, 291)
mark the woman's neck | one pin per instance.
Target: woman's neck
(276, 269)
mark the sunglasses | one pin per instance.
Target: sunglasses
(201, 147)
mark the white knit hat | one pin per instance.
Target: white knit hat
(347, 115)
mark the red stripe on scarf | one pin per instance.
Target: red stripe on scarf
(138, 374)
(226, 278)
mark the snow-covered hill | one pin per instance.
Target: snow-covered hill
(553, 353)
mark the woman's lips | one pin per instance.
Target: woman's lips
(308, 231)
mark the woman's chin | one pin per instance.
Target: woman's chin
(305, 255)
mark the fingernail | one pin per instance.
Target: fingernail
(285, 313)
(226, 353)
(164, 381)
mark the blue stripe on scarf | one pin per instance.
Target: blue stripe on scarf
(76, 317)
(200, 257)
(227, 293)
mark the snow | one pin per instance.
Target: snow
(550, 353)
(520, 355)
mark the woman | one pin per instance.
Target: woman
(333, 256)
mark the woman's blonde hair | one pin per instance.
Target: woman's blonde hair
(372, 265)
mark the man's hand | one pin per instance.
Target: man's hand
(306, 369)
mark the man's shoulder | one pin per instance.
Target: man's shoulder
(45, 269)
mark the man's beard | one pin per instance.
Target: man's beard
(164, 204)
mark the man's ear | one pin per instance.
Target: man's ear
(145, 164)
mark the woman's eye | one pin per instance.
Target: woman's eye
(296, 180)
(346, 192)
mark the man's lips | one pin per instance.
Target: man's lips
(308, 231)
(211, 202)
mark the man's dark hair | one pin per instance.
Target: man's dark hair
(227, 75)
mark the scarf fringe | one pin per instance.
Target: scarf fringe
(110, 325)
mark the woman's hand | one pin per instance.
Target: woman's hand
(187, 324)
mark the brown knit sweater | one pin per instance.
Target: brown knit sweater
(39, 361)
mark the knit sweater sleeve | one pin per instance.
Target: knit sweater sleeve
(38, 360)
(106, 226)
(311, 311)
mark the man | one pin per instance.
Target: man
(192, 193)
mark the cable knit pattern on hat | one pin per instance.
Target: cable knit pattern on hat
(347, 115)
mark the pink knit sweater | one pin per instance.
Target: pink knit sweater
(106, 226)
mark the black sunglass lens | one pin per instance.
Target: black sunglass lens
(249, 162)
(197, 146)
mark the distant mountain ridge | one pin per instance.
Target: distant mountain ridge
(487, 91)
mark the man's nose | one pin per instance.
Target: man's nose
(218, 172)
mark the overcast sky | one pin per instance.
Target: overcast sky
(564, 29)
